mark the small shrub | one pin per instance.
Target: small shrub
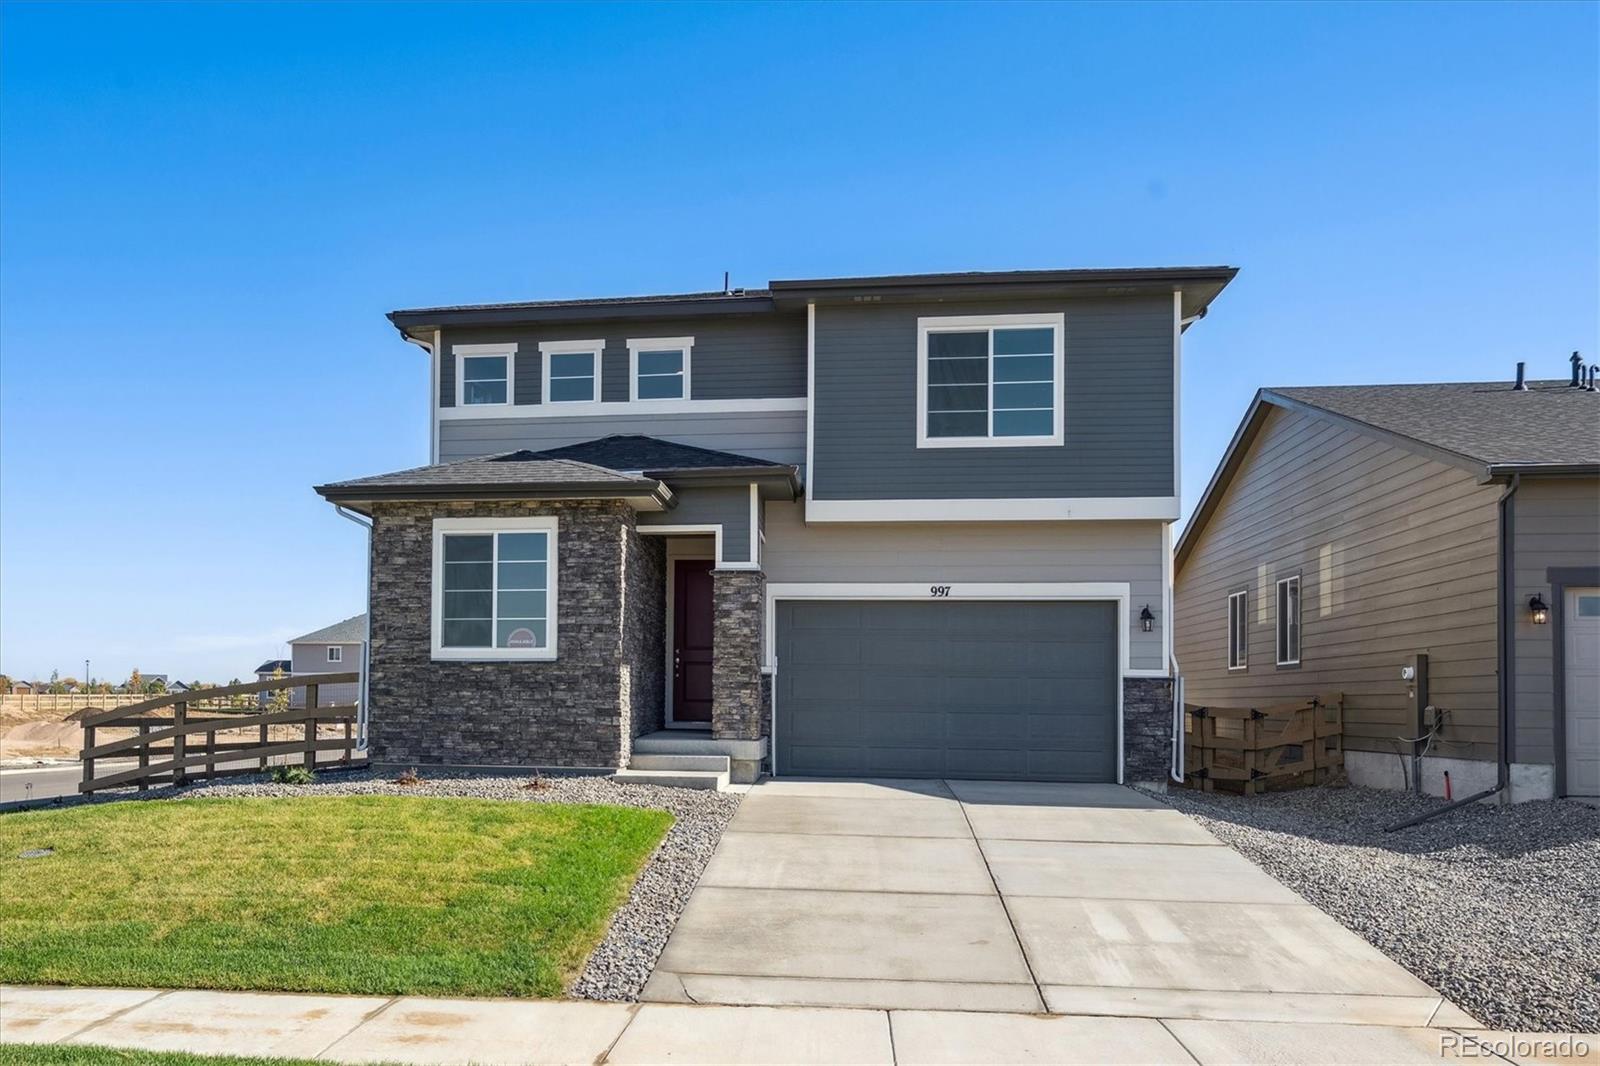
(537, 783)
(292, 775)
(409, 778)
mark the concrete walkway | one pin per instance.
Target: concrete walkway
(360, 1029)
(1001, 896)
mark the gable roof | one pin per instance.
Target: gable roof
(1487, 427)
(655, 457)
(350, 631)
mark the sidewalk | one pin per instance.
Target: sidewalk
(417, 1030)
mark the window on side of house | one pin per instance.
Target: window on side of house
(659, 368)
(484, 374)
(1289, 621)
(494, 588)
(992, 381)
(572, 370)
(1238, 636)
(335, 655)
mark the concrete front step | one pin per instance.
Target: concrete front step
(647, 761)
(716, 781)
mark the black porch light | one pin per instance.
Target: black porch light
(1146, 619)
(1538, 610)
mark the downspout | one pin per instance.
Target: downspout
(1175, 771)
(1505, 634)
(366, 634)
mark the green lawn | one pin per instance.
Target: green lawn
(369, 894)
(94, 1055)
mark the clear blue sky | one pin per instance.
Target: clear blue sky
(205, 211)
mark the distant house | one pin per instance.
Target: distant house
(22, 688)
(334, 649)
(265, 672)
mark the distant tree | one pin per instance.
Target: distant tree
(135, 682)
(5, 683)
(70, 684)
(55, 687)
(156, 687)
(280, 698)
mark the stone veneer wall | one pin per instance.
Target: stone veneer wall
(644, 635)
(1146, 728)
(576, 711)
(737, 709)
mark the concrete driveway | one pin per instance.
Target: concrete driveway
(1000, 896)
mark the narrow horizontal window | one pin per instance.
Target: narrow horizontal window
(1289, 621)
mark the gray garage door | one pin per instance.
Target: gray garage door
(976, 689)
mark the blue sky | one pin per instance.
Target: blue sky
(205, 211)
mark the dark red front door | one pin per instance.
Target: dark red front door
(691, 640)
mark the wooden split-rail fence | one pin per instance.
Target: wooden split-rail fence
(176, 738)
(1252, 749)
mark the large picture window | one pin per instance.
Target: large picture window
(494, 588)
(993, 381)
(1289, 621)
(1238, 633)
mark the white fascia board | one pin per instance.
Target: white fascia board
(758, 405)
(715, 529)
(1055, 509)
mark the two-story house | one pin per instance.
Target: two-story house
(911, 526)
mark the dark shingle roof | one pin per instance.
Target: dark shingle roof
(519, 469)
(653, 455)
(1551, 424)
(275, 664)
(352, 630)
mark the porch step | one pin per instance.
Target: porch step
(652, 761)
(678, 742)
(716, 781)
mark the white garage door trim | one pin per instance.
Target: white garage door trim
(1118, 592)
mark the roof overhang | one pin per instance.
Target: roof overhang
(1199, 285)
(419, 322)
(774, 482)
(641, 495)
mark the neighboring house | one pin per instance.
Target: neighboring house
(909, 526)
(1351, 528)
(267, 671)
(334, 649)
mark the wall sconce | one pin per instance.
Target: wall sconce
(1538, 609)
(1146, 619)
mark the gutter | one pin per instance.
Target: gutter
(366, 635)
(1505, 636)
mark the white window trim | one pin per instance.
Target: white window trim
(596, 348)
(507, 350)
(1243, 596)
(550, 525)
(963, 323)
(335, 654)
(652, 344)
(1280, 629)
(1118, 592)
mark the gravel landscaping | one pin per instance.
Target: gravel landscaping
(1496, 907)
(622, 963)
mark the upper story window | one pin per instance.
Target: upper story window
(484, 373)
(991, 380)
(335, 654)
(571, 371)
(1289, 621)
(1238, 634)
(659, 368)
(494, 588)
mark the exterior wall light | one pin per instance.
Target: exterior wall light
(1538, 610)
(1146, 620)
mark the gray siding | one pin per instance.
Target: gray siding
(313, 659)
(734, 358)
(1118, 414)
(776, 435)
(728, 507)
(1397, 555)
(1556, 523)
(940, 553)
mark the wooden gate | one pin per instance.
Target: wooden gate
(175, 738)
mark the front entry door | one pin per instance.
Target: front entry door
(692, 616)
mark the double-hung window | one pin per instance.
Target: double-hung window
(1289, 621)
(658, 368)
(991, 380)
(1238, 633)
(335, 654)
(494, 588)
(484, 374)
(571, 370)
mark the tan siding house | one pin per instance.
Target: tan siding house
(1380, 510)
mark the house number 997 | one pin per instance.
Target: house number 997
(938, 590)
